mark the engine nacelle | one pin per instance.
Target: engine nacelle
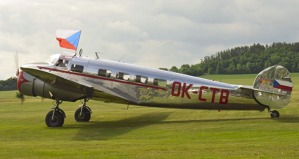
(31, 86)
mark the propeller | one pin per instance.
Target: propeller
(17, 64)
(18, 94)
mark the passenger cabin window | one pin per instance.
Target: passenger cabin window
(123, 76)
(159, 82)
(104, 73)
(141, 79)
(77, 68)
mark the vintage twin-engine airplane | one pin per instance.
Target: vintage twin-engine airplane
(72, 78)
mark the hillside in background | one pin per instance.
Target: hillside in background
(246, 60)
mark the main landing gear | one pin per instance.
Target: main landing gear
(55, 117)
(273, 113)
(83, 113)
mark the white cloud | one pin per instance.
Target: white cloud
(153, 33)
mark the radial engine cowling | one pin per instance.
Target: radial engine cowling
(31, 86)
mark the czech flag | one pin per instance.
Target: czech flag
(68, 39)
(284, 85)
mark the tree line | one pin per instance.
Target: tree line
(9, 84)
(245, 60)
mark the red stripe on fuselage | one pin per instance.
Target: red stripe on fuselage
(102, 78)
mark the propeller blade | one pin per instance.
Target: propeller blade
(17, 63)
(21, 97)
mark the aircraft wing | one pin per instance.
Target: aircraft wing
(55, 78)
(61, 79)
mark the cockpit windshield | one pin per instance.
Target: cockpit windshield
(53, 59)
(58, 60)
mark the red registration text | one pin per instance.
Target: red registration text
(182, 90)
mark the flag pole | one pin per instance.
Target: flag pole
(78, 44)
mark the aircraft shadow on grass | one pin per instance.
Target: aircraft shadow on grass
(284, 119)
(288, 119)
(103, 130)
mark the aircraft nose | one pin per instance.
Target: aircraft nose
(21, 79)
(31, 69)
(27, 66)
(25, 79)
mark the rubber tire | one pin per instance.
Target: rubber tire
(274, 114)
(57, 121)
(84, 117)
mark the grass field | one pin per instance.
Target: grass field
(143, 132)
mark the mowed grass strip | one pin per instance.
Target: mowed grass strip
(144, 132)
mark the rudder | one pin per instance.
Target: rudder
(273, 87)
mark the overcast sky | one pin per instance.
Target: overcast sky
(152, 33)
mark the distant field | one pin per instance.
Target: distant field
(143, 132)
(240, 79)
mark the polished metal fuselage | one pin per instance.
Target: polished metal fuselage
(110, 81)
(172, 90)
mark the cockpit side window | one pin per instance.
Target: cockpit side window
(66, 62)
(77, 68)
(61, 63)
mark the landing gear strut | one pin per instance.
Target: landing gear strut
(273, 113)
(83, 113)
(55, 117)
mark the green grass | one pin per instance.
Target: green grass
(143, 132)
(246, 79)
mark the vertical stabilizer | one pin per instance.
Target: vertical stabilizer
(275, 87)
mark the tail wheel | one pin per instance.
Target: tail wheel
(83, 114)
(274, 114)
(54, 119)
